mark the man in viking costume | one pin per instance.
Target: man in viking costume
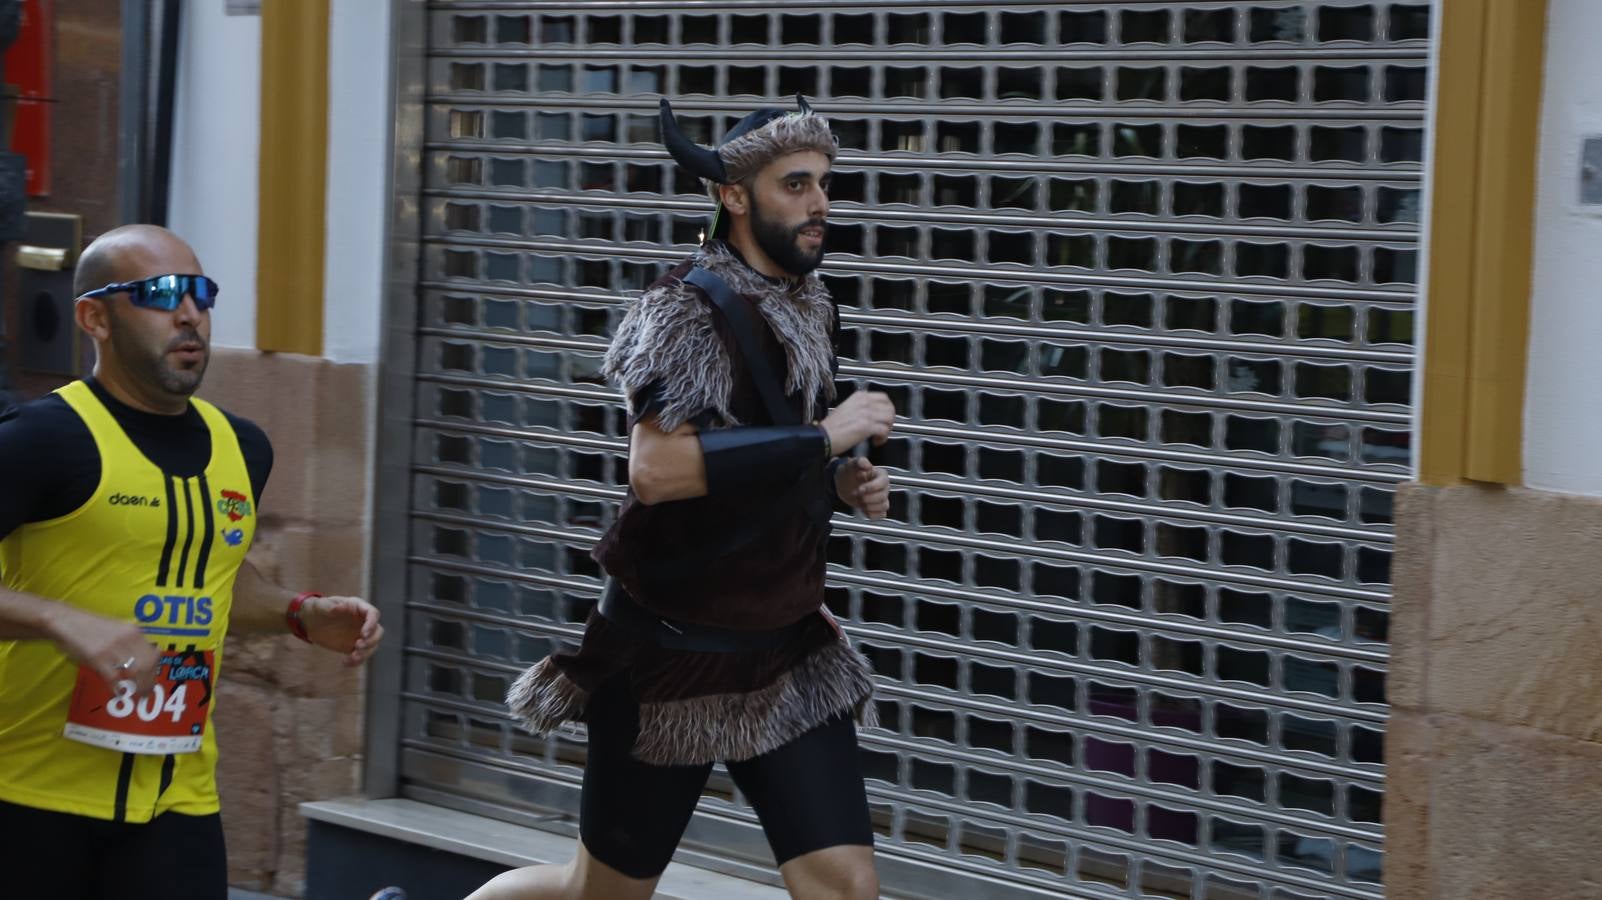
(711, 642)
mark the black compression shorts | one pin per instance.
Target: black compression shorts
(67, 857)
(808, 793)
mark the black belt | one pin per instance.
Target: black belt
(622, 610)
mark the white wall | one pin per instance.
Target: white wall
(215, 169)
(359, 117)
(1421, 312)
(1563, 403)
(216, 133)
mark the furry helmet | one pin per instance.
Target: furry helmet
(752, 143)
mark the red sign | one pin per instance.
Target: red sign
(30, 68)
(169, 719)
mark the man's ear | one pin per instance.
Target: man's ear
(93, 317)
(735, 199)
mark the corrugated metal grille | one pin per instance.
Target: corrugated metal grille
(1141, 277)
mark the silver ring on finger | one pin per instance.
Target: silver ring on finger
(127, 664)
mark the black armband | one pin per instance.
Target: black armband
(737, 458)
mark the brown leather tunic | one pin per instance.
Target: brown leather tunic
(749, 561)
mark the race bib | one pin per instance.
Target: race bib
(170, 719)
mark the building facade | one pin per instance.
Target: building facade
(1141, 279)
(1198, 313)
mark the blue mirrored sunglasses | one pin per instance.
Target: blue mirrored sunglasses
(164, 292)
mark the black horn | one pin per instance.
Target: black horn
(802, 104)
(695, 159)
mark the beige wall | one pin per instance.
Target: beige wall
(289, 717)
(1495, 744)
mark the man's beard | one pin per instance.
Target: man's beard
(154, 368)
(779, 241)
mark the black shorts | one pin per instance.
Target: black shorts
(67, 857)
(808, 793)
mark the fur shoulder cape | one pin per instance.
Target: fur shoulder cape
(667, 337)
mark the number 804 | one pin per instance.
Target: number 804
(148, 708)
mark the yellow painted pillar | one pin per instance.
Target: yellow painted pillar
(1483, 171)
(293, 176)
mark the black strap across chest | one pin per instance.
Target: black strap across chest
(747, 332)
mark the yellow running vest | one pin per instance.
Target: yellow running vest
(149, 548)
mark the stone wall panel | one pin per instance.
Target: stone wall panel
(290, 716)
(1494, 747)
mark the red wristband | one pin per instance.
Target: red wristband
(297, 626)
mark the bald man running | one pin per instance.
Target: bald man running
(127, 508)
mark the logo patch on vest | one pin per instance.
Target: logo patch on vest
(175, 614)
(234, 505)
(120, 499)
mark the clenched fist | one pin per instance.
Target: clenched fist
(116, 650)
(865, 415)
(864, 486)
(347, 625)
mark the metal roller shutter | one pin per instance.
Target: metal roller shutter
(1141, 277)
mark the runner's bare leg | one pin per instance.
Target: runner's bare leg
(585, 878)
(833, 873)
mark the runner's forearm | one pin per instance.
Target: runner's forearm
(687, 463)
(666, 465)
(26, 617)
(259, 603)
